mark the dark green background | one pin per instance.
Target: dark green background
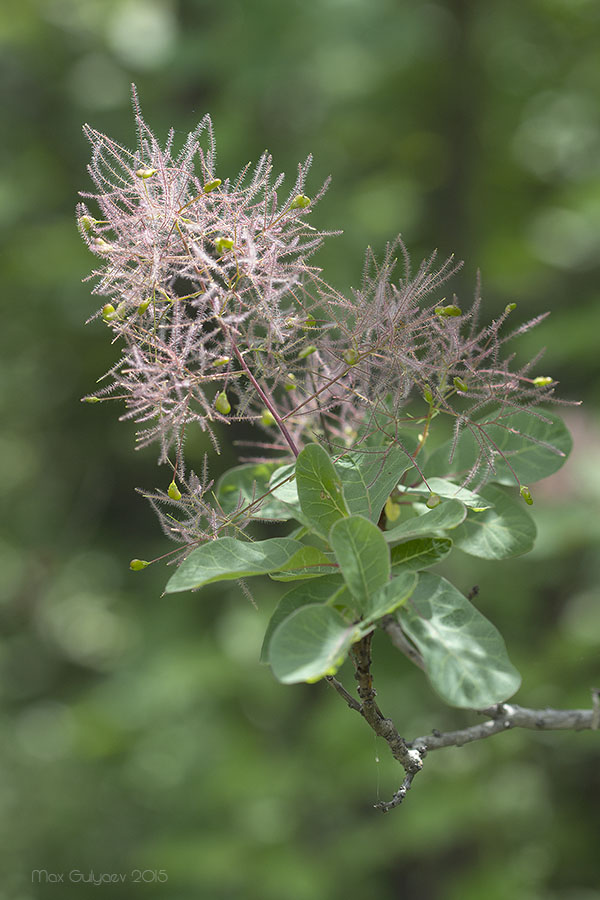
(140, 732)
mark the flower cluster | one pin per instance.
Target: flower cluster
(207, 286)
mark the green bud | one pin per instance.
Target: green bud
(509, 307)
(446, 311)
(526, 495)
(143, 307)
(92, 400)
(109, 312)
(307, 351)
(267, 417)
(222, 403)
(542, 380)
(87, 223)
(221, 360)
(432, 501)
(211, 185)
(392, 510)
(290, 382)
(101, 246)
(460, 385)
(223, 243)
(427, 395)
(136, 565)
(300, 201)
(173, 491)
(350, 356)
(145, 173)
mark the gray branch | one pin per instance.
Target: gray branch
(505, 716)
(410, 754)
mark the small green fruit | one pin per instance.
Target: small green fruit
(290, 382)
(509, 307)
(87, 222)
(446, 311)
(300, 201)
(145, 173)
(307, 351)
(267, 417)
(526, 495)
(432, 501)
(222, 403)
(143, 307)
(350, 356)
(222, 244)
(136, 565)
(173, 491)
(211, 185)
(92, 400)
(542, 381)
(109, 313)
(392, 510)
(101, 246)
(221, 361)
(427, 395)
(460, 385)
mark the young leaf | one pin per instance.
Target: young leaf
(368, 478)
(320, 590)
(506, 530)
(534, 445)
(447, 514)
(363, 557)
(420, 553)
(310, 643)
(389, 597)
(319, 489)
(227, 558)
(464, 654)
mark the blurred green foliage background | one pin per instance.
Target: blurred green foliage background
(140, 732)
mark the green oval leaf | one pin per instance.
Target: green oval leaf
(310, 643)
(420, 553)
(309, 562)
(388, 598)
(448, 514)
(465, 656)
(319, 489)
(321, 590)
(504, 531)
(533, 445)
(369, 476)
(227, 558)
(444, 488)
(363, 556)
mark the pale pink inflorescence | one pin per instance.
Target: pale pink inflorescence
(208, 288)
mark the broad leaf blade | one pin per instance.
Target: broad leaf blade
(369, 476)
(310, 643)
(227, 559)
(534, 445)
(464, 654)
(448, 514)
(504, 531)
(388, 598)
(321, 590)
(420, 553)
(309, 562)
(319, 489)
(363, 556)
(444, 488)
